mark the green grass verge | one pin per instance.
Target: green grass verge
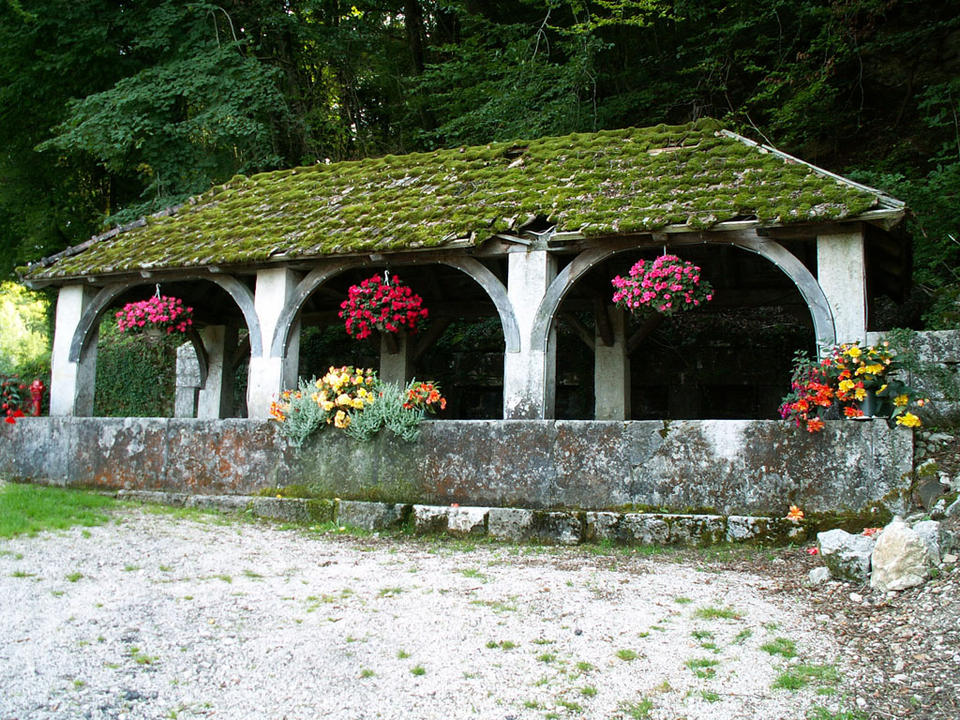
(29, 509)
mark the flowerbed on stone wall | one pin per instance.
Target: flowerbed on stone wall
(852, 382)
(356, 401)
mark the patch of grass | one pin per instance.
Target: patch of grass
(252, 575)
(57, 593)
(701, 634)
(29, 509)
(710, 697)
(627, 655)
(638, 710)
(570, 706)
(682, 600)
(131, 568)
(473, 573)
(141, 658)
(367, 673)
(543, 641)
(402, 654)
(21, 574)
(389, 591)
(588, 691)
(584, 666)
(531, 704)
(780, 646)
(742, 636)
(818, 712)
(546, 657)
(417, 670)
(74, 576)
(503, 644)
(703, 667)
(225, 578)
(712, 612)
(800, 676)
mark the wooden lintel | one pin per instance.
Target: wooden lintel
(643, 332)
(578, 327)
(432, 334)
(602, 320)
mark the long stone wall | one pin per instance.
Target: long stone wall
(725, 466)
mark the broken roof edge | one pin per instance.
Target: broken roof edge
(888, 201)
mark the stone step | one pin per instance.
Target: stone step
(555, 527)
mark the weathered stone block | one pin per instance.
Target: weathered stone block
(154, 496)
(847, 556)
(695, 529)
(509, 523)
(645, 529)
(900, 558)
(741, 528)
(430, 518)
(467, 520)
(560, 528)
(371, 515)
(220, 503)
(296, 510)
(601, 526)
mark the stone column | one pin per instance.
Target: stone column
(396, 358)
(269, 375)
(188, 382)
(216, 396)
(841, 272)
(72, 383)
(529, 376)
(611, 373)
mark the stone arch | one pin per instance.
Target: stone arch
(470, 266)
(237, 290)
(796, 271)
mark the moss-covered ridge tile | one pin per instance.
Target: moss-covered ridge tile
(603, 183)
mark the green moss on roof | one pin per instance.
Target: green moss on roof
(609, 182)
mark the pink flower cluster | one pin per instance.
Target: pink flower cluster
(164, 313)
(668, 285)
(384, 305)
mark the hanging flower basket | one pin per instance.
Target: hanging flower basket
(383, 304)
(667, 285)
(155, 316)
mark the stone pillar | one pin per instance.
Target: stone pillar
(216, 396)
(396, 358)
(269, 375)
(72, 383)
(611, 371)
(529, 376)
(188, 382)
(841, 272)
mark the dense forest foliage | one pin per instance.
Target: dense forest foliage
(111, 108)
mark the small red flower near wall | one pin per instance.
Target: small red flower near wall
(384, 304)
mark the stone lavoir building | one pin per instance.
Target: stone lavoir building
(525, 235)
(606, 424)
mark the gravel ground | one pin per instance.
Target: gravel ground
(157, 615)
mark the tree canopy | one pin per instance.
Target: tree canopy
(110, 109)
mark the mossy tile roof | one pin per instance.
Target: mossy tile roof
(604, 183)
